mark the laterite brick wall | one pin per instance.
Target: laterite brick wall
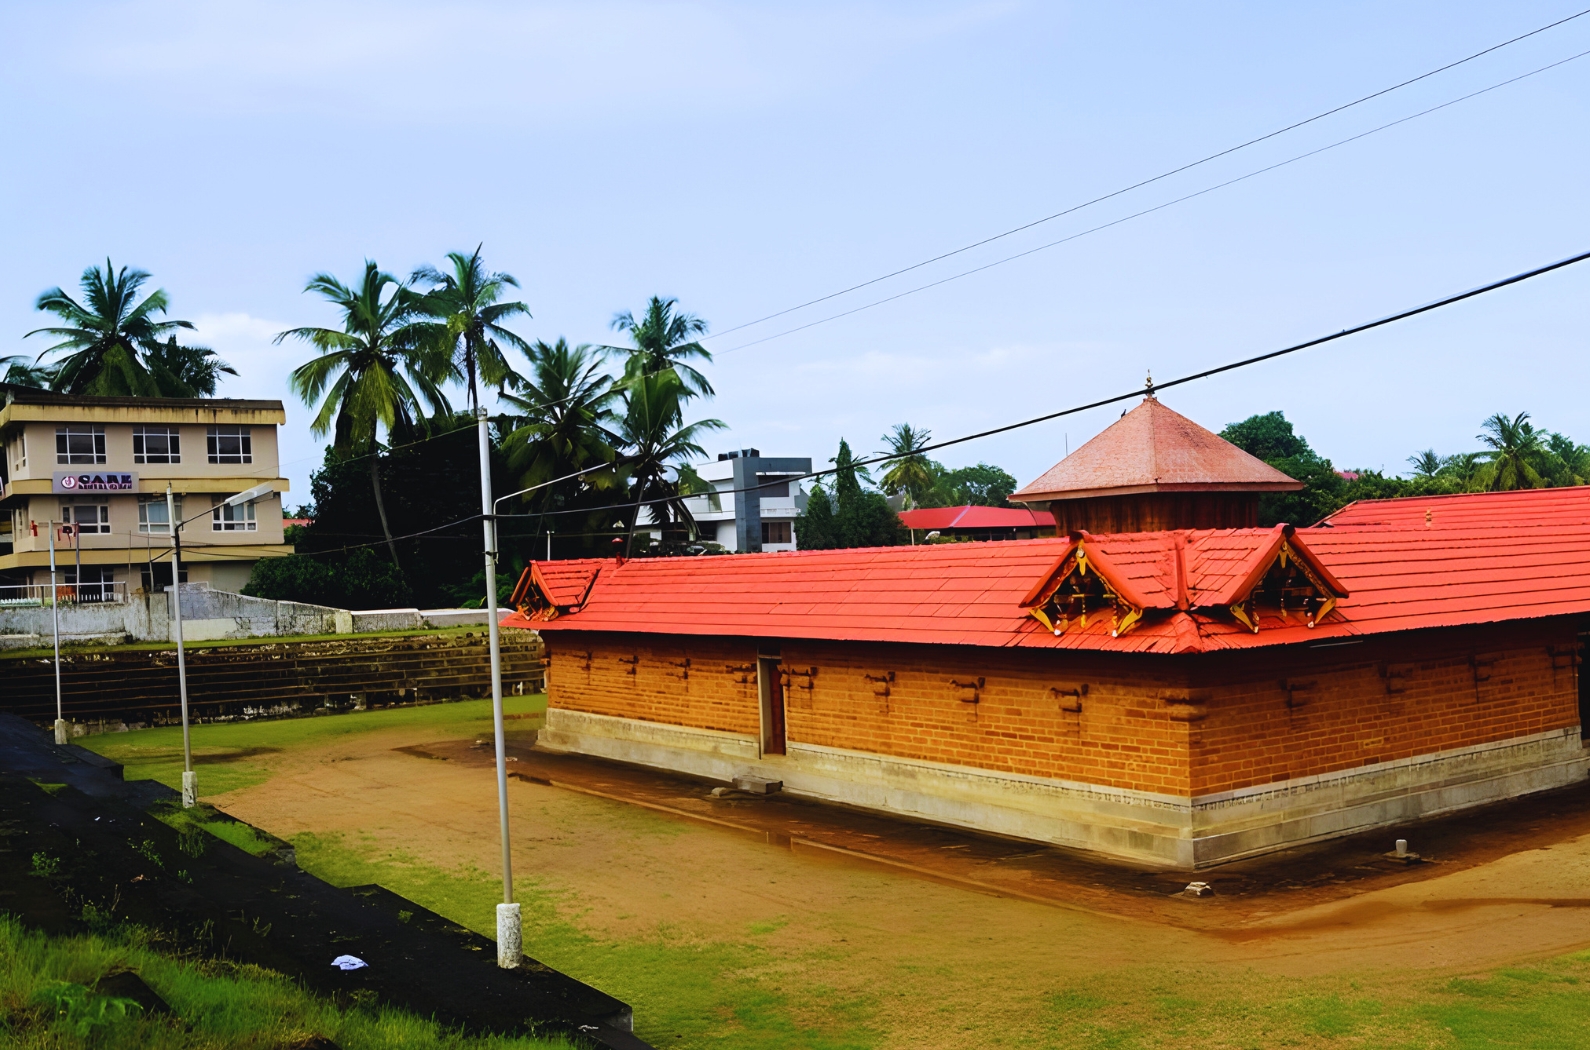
(1184, 726)
(1122, 736)
(707, 684)
(1275, 716)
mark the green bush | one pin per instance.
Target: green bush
(358, 579)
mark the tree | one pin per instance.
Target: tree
(983, 485)
(654, 436)
(565, 420)
(467, 304)
(1426, 464)
(911, 471)
(1568, 462)
(185, 371)
(1267, 437)
(663, 339)
(855, 517)
(381, 370)
(1270, 437)
(102, 338)
(19, 371)
(1514, 450)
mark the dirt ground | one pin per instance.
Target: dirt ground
(960, 920)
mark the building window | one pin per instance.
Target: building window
(230, 445)
(80, 444)
(90, 518)
(19, 455)
(776, 532)
(232, 519)
(156, 445)
(91, 583)
(158, 576)
(152, 517)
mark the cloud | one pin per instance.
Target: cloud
(483, 62)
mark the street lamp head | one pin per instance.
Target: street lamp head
(258, 492)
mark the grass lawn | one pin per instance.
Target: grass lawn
(855, 958)
(232, 755)
(46, 1002)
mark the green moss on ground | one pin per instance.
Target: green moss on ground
(234, 755)
(46, 1002)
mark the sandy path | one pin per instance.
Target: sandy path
(624, 871)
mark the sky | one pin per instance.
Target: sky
(748, 158)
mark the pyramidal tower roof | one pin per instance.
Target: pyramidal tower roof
(1154, 449)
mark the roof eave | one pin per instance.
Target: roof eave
(1055, 496)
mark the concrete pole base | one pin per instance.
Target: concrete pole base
(510, 937)
(63, 736)
(190, 790)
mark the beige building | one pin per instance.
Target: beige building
(103, 464)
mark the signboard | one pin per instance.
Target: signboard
(69, 483)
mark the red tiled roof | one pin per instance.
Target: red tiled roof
(1154, 449)
(1394, 577)
(563, 583)
(1525, 507)
(972, 517)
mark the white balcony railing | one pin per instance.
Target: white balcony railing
(63, 593)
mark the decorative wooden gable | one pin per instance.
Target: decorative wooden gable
(538, 597)
(1279, 579)
(1289, 590)
(1081, 585)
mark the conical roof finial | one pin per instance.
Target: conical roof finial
(1148, 386)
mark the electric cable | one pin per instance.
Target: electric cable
(1156, 178)
(1152, 388)
(1151, 210)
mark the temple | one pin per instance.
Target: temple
(1177, 696)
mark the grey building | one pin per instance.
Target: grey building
(755, 500)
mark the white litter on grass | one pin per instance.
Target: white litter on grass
(349, 962)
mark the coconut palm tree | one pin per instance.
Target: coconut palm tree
(1514, 444)
(654, 436)
(663, 339)
(185, 371)
(374, 373)
(1425, 464)
(466, 301)
(565, 420)
(102, 338)
(911, 472)
(21, 370)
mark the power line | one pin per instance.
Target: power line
(1156, 178)
(1155, 208)
(1206, 373)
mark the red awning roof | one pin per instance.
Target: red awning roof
(1154, 449)
(971, 517)
(1393, 578)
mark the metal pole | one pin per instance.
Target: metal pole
(509, 932)
(190, 780)
(55, 615)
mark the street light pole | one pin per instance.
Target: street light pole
(190, 780)
(55, 615)
(510, 933)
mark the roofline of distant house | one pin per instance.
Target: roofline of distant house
(20, 405)
(1036, 496)
(27, 395)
